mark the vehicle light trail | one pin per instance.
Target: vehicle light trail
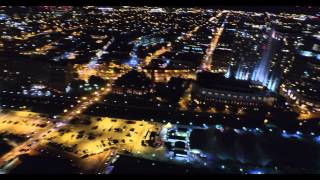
(207, 59)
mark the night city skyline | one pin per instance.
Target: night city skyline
(159, 90)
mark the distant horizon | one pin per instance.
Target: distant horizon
(275, 9)
(272, 9)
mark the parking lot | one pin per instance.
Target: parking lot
(92, 139)
(104, 134)
(21, 123)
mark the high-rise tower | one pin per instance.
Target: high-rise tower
(261, 73)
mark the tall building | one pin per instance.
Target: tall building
(261, 74)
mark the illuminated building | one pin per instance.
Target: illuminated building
(37, 90)
(261, 75)
(242, 73)
(214, 88)
(133, 62)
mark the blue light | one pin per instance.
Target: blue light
(256, 131)
(275, 85)
(238, 131)
(166, 63)
(285, 134)
(296, 136)
(317, 139)
(3, 16)
(205, 126)
(307, 53)
(218, 126)
(255, 172)
(48, 93)
(318, 56)
(133, 62)
(228, 73)
(39, 93)
(93, 63)
(68, 88)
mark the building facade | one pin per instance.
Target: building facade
(212, 88)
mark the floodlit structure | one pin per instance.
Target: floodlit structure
(213, 88)
(261, 73)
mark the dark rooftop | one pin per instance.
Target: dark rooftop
(45, 164)
(176, 137)
(132, 165)
(134, 79)
(166, 64)
(180, 144)
(219, 82)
